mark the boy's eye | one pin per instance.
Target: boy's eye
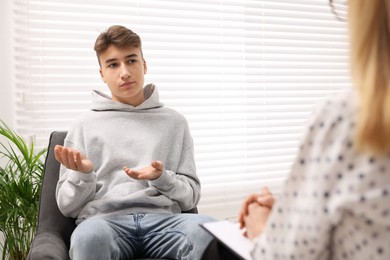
(131, 61)
(112, 65)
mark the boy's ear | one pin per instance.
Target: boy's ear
(101, 75)
(145, 67)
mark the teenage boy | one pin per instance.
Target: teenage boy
(127, 167)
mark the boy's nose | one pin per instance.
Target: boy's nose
(125, 73)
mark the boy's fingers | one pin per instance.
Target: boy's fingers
(64, 158)
(71, 160)
(78, 160)
(157, 165)
(57, 153)
(133, 174)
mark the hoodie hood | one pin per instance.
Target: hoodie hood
(103, 102)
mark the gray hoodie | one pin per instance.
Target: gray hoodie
(113, 135)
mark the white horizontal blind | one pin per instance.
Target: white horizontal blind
(245, 73)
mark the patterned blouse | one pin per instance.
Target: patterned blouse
(336, 202)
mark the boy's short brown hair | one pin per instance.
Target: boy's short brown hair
(119, 36)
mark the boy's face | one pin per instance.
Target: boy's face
(123, 70)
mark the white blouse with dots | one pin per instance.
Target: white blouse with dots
(336, 202)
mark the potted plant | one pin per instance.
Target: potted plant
(21, 171)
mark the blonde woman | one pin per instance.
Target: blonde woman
(336, 201)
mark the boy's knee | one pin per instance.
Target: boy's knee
(200, 219)
(205, 218)
(93, 240)
(91, 232)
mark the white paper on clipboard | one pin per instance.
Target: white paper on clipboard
(229, 234)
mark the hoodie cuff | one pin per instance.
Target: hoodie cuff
(77, 177)
(164, 182)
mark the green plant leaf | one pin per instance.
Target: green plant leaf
(20, 186)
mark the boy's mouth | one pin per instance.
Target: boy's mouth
(127, 84)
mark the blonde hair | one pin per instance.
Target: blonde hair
(370, 66)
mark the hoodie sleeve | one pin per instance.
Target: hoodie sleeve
(74, 189)
(183, 185)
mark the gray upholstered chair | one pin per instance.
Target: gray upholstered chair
(54, 229)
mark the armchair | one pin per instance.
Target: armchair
(54, 229)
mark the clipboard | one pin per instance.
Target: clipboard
(231, 236)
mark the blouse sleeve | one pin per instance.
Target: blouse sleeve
(301, 221)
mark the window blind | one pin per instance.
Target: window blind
(245, 73)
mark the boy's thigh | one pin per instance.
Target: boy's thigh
(173, 236)
(100, 236)
(177, 236)
(114, 227)
(177, 223)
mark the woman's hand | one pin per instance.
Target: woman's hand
(256, 220)
(264, 198)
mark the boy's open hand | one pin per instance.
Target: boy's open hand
(151, 172)
(73, 159)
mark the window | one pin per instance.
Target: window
(245, 73)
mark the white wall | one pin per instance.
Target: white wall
(6, 96)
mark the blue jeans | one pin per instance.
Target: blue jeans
(174, 236)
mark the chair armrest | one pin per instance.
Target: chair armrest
(48, 245)
(193, 211)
